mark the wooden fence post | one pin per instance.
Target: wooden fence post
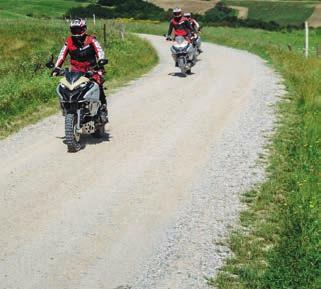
(122, 31)
(105, 34)
(306, 39)
(318, 50)
(290, 47)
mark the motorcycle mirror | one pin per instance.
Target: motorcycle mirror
(103, 62)
(50, 63)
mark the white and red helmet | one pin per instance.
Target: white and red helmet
(177, 12)
(78, 27)
(188, 15)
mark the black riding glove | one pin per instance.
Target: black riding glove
(102, 63)
(56, 71)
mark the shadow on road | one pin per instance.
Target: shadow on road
(179, 74)
(90, 140)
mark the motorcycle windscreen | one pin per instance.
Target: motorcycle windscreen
(179, 39)
(73, 77)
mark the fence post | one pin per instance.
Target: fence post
(105, 33)
(318, 50)
(122, 31)
(290, 47)
(306, 39)
(94, 19)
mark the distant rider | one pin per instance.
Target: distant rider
(197, 29)
(179, 25)
(85, 54)
(193, 22)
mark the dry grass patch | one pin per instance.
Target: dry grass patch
(199, 6)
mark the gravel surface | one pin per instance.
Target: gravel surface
(151, 205)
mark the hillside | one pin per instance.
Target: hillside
(199, 6)
(281, 12)
(37, 8)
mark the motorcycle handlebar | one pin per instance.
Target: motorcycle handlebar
(88, 74)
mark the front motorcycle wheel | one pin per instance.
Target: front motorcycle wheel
(181, 64)
(72, 136)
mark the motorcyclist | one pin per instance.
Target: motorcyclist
(196, 28)
(193, 22)
(86, 54)
(179, 25)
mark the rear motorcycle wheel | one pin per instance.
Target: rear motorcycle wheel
(72, 136)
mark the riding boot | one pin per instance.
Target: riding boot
(103, 107)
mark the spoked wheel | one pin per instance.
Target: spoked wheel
(72, 136)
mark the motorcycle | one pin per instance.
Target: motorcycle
(184, 54)
(79, 97)
(197, 42)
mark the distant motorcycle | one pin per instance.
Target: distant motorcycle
(80, 104)
(184, 54)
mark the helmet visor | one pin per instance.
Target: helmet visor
(77, 30)
(177, 14)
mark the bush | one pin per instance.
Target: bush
(107, 2)
(137, 9)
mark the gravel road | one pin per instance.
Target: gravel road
(149, 206)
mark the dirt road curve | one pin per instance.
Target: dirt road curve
(149, 207)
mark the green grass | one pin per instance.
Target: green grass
(27, 93)
(283, 13)
(279, 246)
(13, 9)
(282, 247)
(243, 37)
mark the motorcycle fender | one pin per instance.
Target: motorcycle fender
(181, 61)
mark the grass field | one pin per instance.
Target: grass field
(279, 246)
(27, 93)
(14, 9)
(243, 37)
(281, 12)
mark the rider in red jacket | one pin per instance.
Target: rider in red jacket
(193, 22)
(85, 53)
(179, 25)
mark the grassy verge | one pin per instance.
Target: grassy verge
(281, 248)
(27, 93)
(280, 245)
